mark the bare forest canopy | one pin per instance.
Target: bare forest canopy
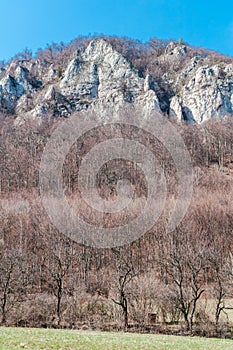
(47, 279)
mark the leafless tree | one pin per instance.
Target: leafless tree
(126, 269)
(61, 255)
(13, 281)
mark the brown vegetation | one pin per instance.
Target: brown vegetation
(156, 282)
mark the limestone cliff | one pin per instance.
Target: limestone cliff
(100, 76)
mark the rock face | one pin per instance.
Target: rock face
(208, 93)
(13, 87)
(100, 77)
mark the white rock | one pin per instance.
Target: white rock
(100, 78)
(207, 94)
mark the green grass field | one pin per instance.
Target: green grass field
(41, 339)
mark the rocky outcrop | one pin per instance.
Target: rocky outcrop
(103, 75)
(176, 50)
(207, 94)
(17, 85)
(101, 78)
(98, 77)
(13, 87)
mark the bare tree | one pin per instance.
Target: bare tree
(13, 281)
(61, 257)
(183, 260)
(126, 269)
(221, 268)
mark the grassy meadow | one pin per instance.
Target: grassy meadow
(46, 339)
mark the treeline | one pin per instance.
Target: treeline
(141, 54)
(176, 282)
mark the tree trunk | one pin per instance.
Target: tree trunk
(59, 296)
(126, 321)
(3, 321)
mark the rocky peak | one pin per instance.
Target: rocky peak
(100, 70)
(97, 77)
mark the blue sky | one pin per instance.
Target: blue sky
(33, 24)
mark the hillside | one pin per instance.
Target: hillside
(171, 152)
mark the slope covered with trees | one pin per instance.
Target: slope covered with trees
(47, 279)
(174, 282)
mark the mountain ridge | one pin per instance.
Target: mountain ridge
(177, 81)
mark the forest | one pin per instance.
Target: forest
(179, 282)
